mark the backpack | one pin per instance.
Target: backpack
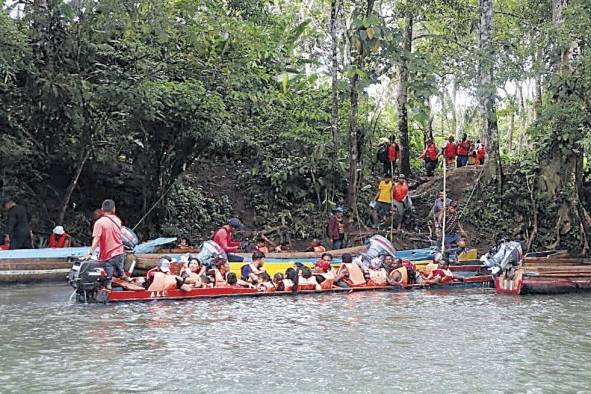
(383, 153)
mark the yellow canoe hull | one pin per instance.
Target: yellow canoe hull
(273, 267)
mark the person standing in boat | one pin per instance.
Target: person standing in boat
(223, 237)
(59, 238)
(337, 229)
(454, 231)
(107, 237)
(18, 228)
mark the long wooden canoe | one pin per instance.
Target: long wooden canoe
(217, 292)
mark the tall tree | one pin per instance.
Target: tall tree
(402, 99)
(488, 90)
(335, 6)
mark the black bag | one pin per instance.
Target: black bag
(383, 153)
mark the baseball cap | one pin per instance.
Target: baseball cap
(235, 222)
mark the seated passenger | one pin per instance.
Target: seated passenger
(399, 275)
(192, 273)
(261, 246)
(434, 264)
(291, 276)
(159, 278)
(278, 279)
(251, 272)
(232, 281)
(316, 246)
(378, 276)
(265, 283)
(307, 281)
(442, 275)
(219, 272)
(282, 247)
(349, 274)
(324, 273)
(184, 244)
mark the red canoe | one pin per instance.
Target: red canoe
(484, 281)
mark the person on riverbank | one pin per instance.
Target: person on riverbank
(5, 245)
(224, 238)
(382, 202)
(430, 155)
(464, 148)
(107, 237)
(59, 238)
(480, 154)
(337, 229)
(18, 228)
(316, 246)
(401, 199)
(438, 206)
(449, 152)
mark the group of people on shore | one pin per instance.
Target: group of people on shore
(386, 270)
(460, 154)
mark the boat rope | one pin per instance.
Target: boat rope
(444, 205)
(153, 206)
(471, 193)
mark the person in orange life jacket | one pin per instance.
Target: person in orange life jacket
(401, 199)
(316, 246)
(290, 279)
(464, 147)
(306, 280)
(449, 151)
(251, 272)
(5, 243)
(323, 271)
(342, 276)
(393, 153)
(59, 238)
(223, 237)
(107, 237)
(337, 229)
(401, 274)
(430, 156)
(441, 275)
(232, 281)
(265, 283)
(192, 273)
(480, 154)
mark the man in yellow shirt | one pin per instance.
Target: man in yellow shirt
(382, 202)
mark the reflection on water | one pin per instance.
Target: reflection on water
(463, 341)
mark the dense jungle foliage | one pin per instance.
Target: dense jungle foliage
(189, 111)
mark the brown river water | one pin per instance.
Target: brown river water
(463, 341)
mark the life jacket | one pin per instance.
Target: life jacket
(403, 275)
(377, 277)
(55, 242)
(328, 281)
(445, 275)
(267, 287)
(162, 282)
(481, 152)
(463, 148)
(432, 152)
(356, 277)
(430, 268)
(450, 150)
(287, 284)
(193, 276)
(307, 283)
(392, 152)
(400, 191)
(220, 280)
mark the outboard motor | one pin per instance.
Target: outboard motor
(208, 252)
(129, 238)
(88, 278)
(378, 246)
(503, 257)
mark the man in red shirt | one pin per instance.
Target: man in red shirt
(106, 236)
(223, 237)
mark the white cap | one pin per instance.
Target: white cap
(58, 230)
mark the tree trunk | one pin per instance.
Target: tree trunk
(354, 132)
(492, 167)
(84, 155)
(560, 176)
(403, 96)
(334, 120)
(511, 129)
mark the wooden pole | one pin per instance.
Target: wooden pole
(444, 205)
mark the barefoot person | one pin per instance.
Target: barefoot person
(106, 236)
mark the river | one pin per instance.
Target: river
(433, 342)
